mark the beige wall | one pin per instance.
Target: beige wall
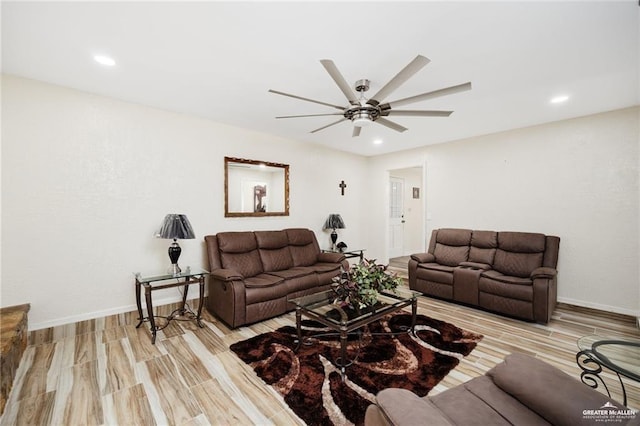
(577, 179)
(87, 180)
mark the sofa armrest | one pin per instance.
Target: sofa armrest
(543, 272)
(403, 407)
(226, 275)
(423, 257)
(331, 257)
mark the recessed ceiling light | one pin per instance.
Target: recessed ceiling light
(377, 141)
(104, 60)
(559, 99)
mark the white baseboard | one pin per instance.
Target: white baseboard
(600, 307)
(104, 313)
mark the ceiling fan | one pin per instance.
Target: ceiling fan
(362, 111)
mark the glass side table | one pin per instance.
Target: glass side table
(162, 281)
(348, 253)
(618, 355)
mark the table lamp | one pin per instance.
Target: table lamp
(176, 227)
(334, 221)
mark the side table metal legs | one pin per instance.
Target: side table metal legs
(139, 304)
(182, 310)
(590, 374)
(199, 317)
(152, 321)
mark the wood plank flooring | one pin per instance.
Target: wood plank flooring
(107, 372)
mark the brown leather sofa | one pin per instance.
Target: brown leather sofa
(522, 390)
(255, 274)
(512, 273)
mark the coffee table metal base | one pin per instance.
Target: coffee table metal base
(344, 329)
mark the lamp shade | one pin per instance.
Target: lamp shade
(334, 221)
(177, 227)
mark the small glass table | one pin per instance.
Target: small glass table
(159, 282)
(348, 253)
(622, 356)
(322, 307)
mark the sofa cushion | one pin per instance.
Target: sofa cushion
(510, 291)
(507, 279)
(483, 246)
(246, 264)
(517, 264)
(295, 272)
(271, 239)
(236, 242)
(303, 246)
(521, 242)
(264, 287)
(300, 236)
(465, 408)
(454, 237)
(403, 407)
(529, 380)
(273, 247)
(451, 255)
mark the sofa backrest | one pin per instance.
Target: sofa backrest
(483, 247)
(519, 253)
(273, 247)
(451, 246)
(303, 246)
(239, 251)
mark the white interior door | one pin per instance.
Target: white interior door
(396, 216)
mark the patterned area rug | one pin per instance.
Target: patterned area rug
(311, 383)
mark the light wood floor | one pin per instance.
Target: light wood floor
(105, 371)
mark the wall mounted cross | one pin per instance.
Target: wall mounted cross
(342, 186)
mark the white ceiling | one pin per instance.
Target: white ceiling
(218, 59)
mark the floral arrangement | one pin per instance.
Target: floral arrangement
(361, 284)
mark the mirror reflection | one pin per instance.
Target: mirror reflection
(255, 188)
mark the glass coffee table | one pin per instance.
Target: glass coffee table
(322, 307)
(618, 355)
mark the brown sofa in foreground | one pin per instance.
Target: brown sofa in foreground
(519, 391)
(255, 274)
(512, 273)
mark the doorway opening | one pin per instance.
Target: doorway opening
(406, 215)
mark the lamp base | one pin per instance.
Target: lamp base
(334, 239)
(174, 269)
(174, 255)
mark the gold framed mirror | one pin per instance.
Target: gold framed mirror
(255, 188)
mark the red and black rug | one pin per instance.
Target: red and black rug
(311, 383)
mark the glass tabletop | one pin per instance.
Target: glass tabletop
(325, 303)
(620, 355)
(186, 272)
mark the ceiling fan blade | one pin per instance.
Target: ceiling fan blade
(405, 74)
(309, 115)
(306, 99)
(430, 95)
(416, 113)
(328, 125)
(356, 131)
(340, 81)
(391, 125)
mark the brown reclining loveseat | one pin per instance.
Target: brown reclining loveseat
(255, 274)
(512, 273)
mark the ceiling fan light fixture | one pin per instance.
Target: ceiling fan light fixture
(361, 119)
